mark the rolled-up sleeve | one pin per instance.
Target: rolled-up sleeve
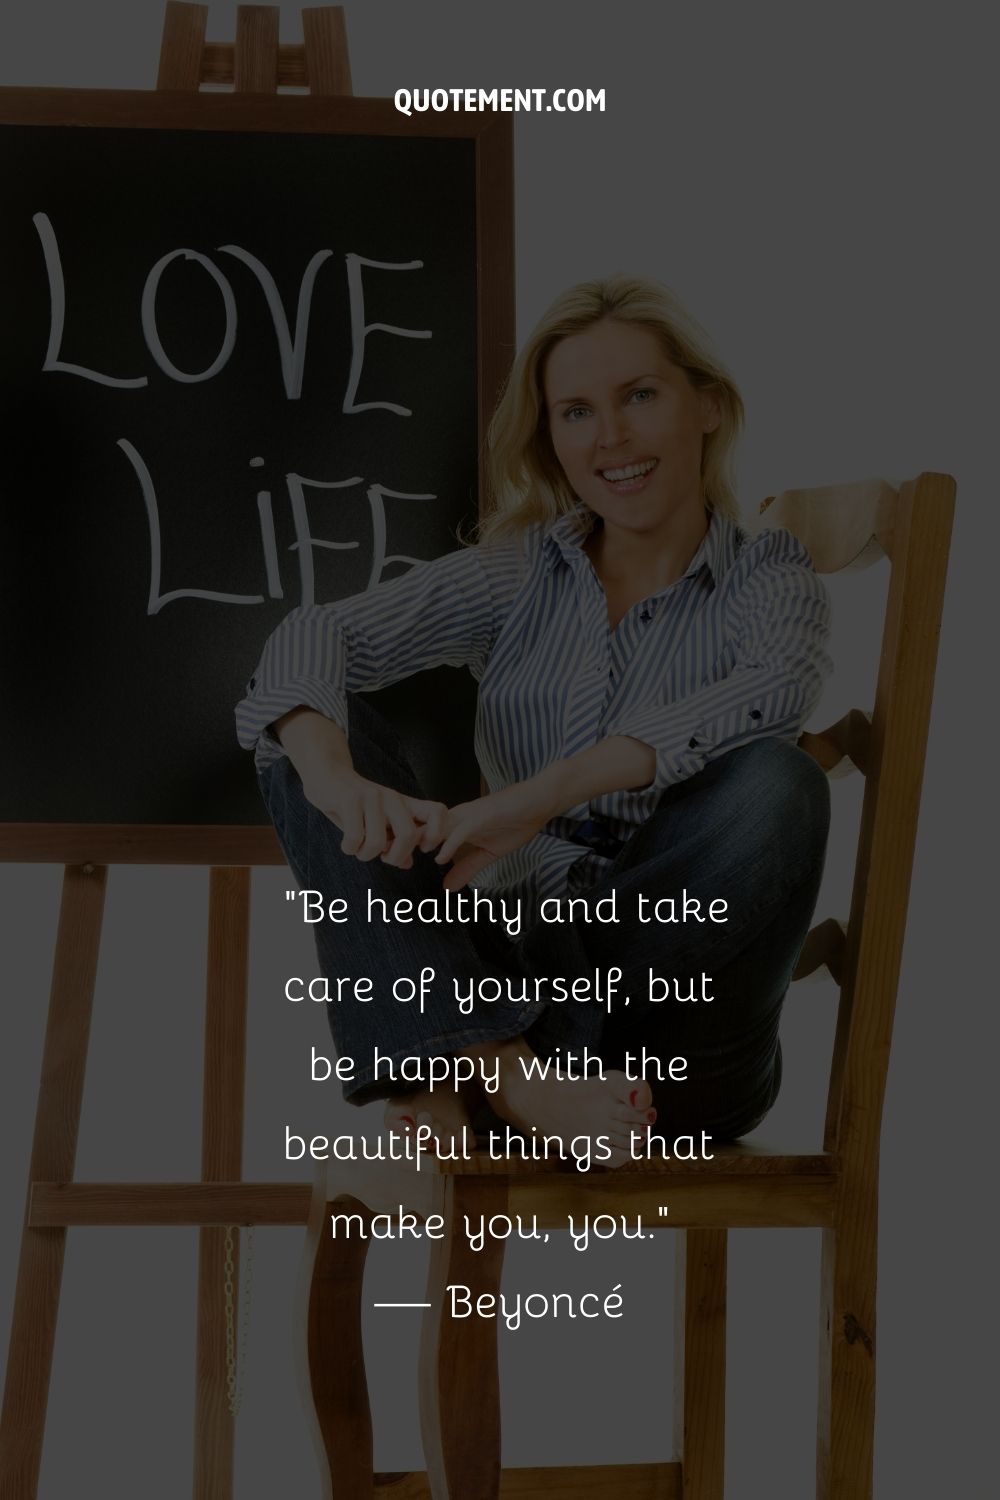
(778, 623)
(443, 612)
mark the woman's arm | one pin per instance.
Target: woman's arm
(314, 744)
(481, 831)
(446, 611)
(617, 764)
(374, 819)
(778, 621)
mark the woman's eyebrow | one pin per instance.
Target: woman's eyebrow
(635, 380)
(650, 375)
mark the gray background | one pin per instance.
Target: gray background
(814, 185)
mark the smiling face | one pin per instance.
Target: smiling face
(627, 427)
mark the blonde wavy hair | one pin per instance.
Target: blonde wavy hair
(527, 486)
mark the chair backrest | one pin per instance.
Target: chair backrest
(850, 526)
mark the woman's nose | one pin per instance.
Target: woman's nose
(613, 429)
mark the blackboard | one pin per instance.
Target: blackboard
(249, 349)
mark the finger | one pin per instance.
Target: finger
(454, 840)
(352, 820)
(434, 830)
(375, 838)
(405, 831)
(423, 809)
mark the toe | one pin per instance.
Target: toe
(634, 1117)
(400, 1117)
(636, 1093)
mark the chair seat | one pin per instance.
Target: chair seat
(729, 1159)
(743, 1186)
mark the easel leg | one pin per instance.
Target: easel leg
(846, 1436)
(221, 1161)
(700, 1362)
(459, 1374)
(335, 1382)
(53, 1154)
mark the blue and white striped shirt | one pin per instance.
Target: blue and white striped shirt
(733, 649)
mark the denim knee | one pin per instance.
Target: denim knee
(377, 752)
(783, 794)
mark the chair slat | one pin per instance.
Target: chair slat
(844, 747)
(823, 947)
(840, 525)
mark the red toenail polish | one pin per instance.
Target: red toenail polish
(651, 1117)
(408, 1120)
(632, 1098)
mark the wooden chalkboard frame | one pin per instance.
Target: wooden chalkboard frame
(492, 138)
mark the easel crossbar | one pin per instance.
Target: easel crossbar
(65, 1205)
(792, 1202)
(219, 64)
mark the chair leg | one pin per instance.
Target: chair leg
(700, 1362)
(846, 1435)
(335, 1358)
(459, 1375)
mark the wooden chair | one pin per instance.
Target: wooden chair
(835, 1188)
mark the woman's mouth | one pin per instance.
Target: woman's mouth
(628, 479)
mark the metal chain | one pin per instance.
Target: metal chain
(236, 1356)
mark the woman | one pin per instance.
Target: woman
(644, 669)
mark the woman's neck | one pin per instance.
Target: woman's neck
(647, 561)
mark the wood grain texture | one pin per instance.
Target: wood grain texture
(730, 1159)
(459, 1373)
(225, 1024)
(842, 748)
(700, 1362)
(597, 1482)
(338, 1385)
(221, 1161)
(873, 953)
(327, 56)
(495, 242)
(717, 1202)
(195, 1204)
(255, 58)
(841, 526)
(218, 64)
(135, 109)
(139, 844)
(181, 46)
(53, 1154)
(823, 948)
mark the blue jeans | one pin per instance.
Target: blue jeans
(749, 829)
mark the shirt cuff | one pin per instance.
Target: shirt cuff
(685, 739)
(261, 708)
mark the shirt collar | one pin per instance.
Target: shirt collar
(565, 537)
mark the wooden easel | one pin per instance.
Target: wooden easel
(255, 63)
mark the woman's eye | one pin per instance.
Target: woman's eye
(645, 393)
(573, 412)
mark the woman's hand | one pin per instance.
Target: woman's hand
(374, 819)
(481, 831)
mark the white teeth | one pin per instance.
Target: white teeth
(631, 471)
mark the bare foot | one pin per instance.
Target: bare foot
(613, 1106)
(445, 1112)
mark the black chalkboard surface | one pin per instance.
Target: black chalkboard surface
(244, 367)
